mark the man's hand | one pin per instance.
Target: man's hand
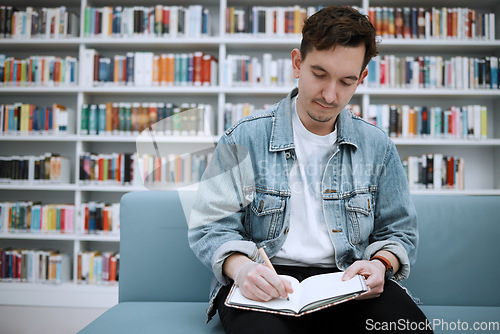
(258, 282)
(373, 272)
(255, 280)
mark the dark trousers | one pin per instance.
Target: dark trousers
(393, 312)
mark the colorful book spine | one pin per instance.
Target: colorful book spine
(435, 171)
(433, 72)
(156, 21)
(47, 168)
(30, 217)
(98, 268)
(51, 23)
(164, 119)
(276, 21)
(36, 266)
(243, 70)
(36, 71)
(433, 23)
(404, 121)
(147, 69)
(29, 119)
(100, 218)
(142, 169)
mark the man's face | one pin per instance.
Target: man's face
(327, 81)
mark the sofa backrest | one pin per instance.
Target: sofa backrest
(156, 263)
(459, 249)
(457, 260)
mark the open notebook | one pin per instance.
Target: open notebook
(312, 294)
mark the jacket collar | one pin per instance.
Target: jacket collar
(282, 131)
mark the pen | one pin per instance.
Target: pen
(267, 261)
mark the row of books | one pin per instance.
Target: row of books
(100, 218)
(33, 217)
(30, 169)
(158, 21)
(244, 70)
(27, 118)
(440, 23)
(142, 169)
(38, 71)
(267, 20)
(131, 118)
(114, 168)
(434, 171)
(38, 23)
(458, 72)
(99, 268)
(404, 121)
(33, 265)
(148, 69)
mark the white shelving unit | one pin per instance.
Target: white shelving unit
(482, 156)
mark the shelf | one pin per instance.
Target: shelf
(109, 188)
(428, 92)
(251, 90)
(39, 138)
(446, 142)
(183, 90)
(152, 43)
(37, 236)
(40, 90)
(59, 237)
(58, 295)
(146, 139)
(475, 192)
(424, 46)
(70, 44)
(42, 187)
(98, 237)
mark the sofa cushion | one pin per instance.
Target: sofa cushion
(459, 245)
(156, 263)
(155, 317)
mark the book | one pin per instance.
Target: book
(312, 294)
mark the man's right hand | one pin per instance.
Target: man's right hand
(255, 280)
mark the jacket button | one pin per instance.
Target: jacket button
(287, 230)
(287, 155)
(261, 206)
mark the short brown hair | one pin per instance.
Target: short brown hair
(338, 25)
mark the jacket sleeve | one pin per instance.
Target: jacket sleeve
(216, 222)
(395, 226)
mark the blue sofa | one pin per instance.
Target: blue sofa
(164, 288)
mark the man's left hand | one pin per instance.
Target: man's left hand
(373, 272)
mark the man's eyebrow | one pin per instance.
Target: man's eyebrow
(319, 68)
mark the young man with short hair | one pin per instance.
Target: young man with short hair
(318, 188)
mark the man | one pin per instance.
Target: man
(318, 188)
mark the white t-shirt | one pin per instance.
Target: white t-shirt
(308, 242)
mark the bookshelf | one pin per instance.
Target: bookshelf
(482, 166)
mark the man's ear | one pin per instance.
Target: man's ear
(363, 76)
(296, 62)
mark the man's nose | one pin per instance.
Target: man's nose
(330, 93)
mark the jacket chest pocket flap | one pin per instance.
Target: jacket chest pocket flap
(360, 217)
(267, 216)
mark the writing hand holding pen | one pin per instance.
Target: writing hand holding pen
(255, 280)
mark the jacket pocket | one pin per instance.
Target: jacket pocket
(359, 217)
(266, 216)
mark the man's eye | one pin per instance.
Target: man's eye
(347, 83)
(320, 76)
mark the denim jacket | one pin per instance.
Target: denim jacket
(244, 195)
